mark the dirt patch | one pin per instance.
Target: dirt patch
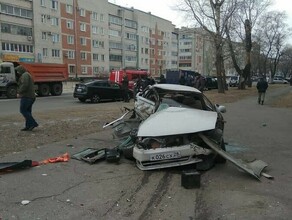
(65, 124)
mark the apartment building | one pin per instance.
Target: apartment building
(196, 51)
(16, 36)
(95, 36)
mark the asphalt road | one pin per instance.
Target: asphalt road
(11, 106)
(77, 190)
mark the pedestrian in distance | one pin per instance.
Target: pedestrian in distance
(125, 87)
(262, 87)
(200, 83)
(26, 93)
(182, 80)
(162, 79)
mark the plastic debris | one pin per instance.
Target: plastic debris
(25, 202)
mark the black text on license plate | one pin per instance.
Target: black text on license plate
(165, 156)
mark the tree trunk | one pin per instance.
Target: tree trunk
(248, 46)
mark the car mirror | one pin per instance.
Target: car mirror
(220, 108)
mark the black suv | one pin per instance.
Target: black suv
(98, 90)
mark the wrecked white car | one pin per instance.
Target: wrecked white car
(173, 125)
(165, 126)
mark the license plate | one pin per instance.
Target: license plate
(165, 156)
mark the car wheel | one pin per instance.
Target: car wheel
(11, 92)
(219, 158)
(82, 99)
(95, 99)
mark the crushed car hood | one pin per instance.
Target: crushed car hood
(177, 120)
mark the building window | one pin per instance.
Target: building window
(95, 69)
(16, 11)
(82, 27)
(94, 29)
(17, 47)
(83, 41)
(96, 43)
(94, 16)
(15, 29)
(55, 53)
(101, 17)
(82, 12)
(71, 54)
(131, 24)
(95, 57)
(54, 4)
(101, 30)
(71, 69)
(115, 20)
(117, 58)
(55, 21)
(114, 33)
(131, 36)
(83, 55)
(70, 24)
(55, 38)
(43, 3)
(102, 57)
(84, 69)
(44, 35)
(69, 9)
(70, 39)
(45, 52)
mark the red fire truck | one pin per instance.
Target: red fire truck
(133, 75)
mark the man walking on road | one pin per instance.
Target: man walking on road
(262, 86)
(26, 93)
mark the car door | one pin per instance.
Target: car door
(116, 91)
(104, 90)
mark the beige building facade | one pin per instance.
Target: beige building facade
(94, 37)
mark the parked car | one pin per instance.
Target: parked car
(211, 83)
(279, 80)
(234, 81)
(98, 90)
(166, 127)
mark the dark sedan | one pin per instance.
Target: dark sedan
(98, 90)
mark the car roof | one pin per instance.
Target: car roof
(99, 80)
(175, 87)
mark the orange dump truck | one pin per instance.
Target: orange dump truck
(48, 78)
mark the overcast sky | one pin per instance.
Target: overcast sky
(164, 9)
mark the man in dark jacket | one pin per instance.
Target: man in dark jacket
(200, 83)
(262, 87)
(125, 87)
(26, 93)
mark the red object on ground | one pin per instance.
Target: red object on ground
(63, 158)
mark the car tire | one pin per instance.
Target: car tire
(219, 158)
(128, 153)
(95, 99)
(56, 89)
(11, 92)
(44, 90)
(82, 99)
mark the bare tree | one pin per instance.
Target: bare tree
(212, 16)
(272, 32)
(240, 28)
(286, 62)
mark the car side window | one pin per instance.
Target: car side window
(208, 104)
(96, 84)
